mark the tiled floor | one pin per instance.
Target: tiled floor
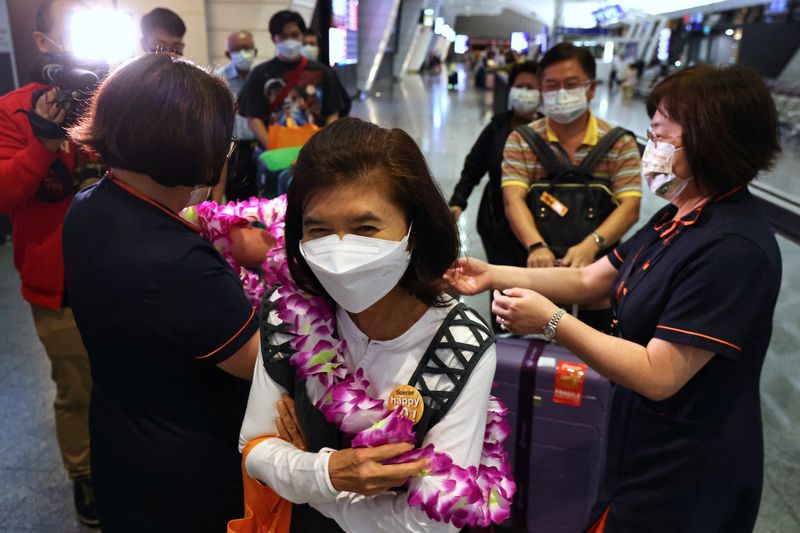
(35, 494)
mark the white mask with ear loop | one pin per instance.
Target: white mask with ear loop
(657, 162)
(524, 101)
(357, 271)
(199, 195)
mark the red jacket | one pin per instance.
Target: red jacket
(36, 233)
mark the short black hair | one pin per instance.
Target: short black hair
(565, 52)
(531, 67)
(280, 19)
(44, 22)
(164, 19)
(729, 123)
(194, 113)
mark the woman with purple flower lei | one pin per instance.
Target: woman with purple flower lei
(376, 381)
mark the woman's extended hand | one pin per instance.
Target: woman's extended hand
(288, 426)
(360, 470)
(250, 245)
(522, 311)
(469, 276)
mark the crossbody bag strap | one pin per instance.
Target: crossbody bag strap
(291, 83)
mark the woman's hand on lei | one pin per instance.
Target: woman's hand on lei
(361, 470)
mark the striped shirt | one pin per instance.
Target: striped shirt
(621, 165)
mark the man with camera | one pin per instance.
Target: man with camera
(39, 173)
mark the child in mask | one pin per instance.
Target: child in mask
(372, 377)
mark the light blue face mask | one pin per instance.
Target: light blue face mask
(565, 105)
(289, 49)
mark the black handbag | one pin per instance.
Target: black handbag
(588, 201)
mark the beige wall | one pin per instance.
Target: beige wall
(209, 22)
(193, 13)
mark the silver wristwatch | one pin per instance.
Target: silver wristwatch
(551, 327)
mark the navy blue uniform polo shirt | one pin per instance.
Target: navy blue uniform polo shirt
(693, 462)
(158, 308)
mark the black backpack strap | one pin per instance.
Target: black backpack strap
(438, 402)
(541, 149)
(275, 357)
(602, 148)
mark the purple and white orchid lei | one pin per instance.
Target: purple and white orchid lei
(474, 496)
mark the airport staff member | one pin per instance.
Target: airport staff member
(166, 324)
(693, 292)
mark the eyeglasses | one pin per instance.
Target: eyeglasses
(234, 144)
(652, 136)
(551, 86)
(175, 48)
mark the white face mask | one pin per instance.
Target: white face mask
(523, 101)
(657, 163)
(357, 271)
(243, 59)
(289, 49)
(310, 51)
(564, 106)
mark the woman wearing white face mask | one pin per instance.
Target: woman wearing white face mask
(368, 231)
(693, 294)
(486, 155)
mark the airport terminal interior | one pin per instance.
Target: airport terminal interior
(438, 69)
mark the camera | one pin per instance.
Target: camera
(74, 86)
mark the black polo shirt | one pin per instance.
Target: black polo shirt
(158, 308)
(693, 462)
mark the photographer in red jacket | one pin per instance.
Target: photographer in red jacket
(39, 174)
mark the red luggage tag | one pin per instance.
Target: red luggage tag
(568, 389)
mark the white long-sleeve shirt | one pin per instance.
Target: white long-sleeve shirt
(302, 477)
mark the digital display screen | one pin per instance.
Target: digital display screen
(519, 41)
(343, 33)
(608, 15)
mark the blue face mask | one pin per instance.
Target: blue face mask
(289, 49)
(243, 59)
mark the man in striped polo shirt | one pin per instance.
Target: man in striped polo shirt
(568, 84)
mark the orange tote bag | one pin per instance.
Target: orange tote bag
(264, 510)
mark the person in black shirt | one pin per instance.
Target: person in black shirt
(486, 155)
(170, 334)
(265, 100)
(694, 293)
(311, 51)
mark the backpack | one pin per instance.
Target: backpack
(569, 203)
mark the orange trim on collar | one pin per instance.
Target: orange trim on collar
(727, 194)
(618, 256)
(125, 187)
(701, 335)
(227, 342)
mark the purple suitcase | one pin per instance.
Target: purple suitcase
(557, 450)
